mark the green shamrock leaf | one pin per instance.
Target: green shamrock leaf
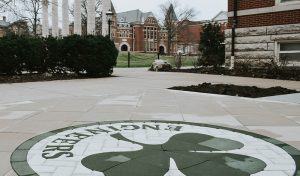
(194, 155)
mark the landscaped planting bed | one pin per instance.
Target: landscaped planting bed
(282, 73)
(234, 90)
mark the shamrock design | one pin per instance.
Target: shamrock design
(194, 155)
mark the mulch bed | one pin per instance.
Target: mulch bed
(41, 77)
(234, 90)
(292, 73)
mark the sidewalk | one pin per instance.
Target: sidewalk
(30, 109)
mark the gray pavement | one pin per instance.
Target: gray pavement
(29, 109)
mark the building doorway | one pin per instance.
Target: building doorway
(124, 48)
(161, 50)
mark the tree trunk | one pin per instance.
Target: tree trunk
(169, 42)
(34, 26)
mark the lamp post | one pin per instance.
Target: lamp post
(109, 15)
(233, 32)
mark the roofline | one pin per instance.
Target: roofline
(213, 19)
(130, 11)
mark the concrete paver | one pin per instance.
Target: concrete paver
(5, 166)
(264, 120)
(9, 141)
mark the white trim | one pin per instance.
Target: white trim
(162, 45)
(278, 2)
(289, 52)
(278, 52)
(277, 48)
(278, 8)
(124, 43)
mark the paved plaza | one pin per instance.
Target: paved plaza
(140, 100)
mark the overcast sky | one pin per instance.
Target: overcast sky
(206, 9)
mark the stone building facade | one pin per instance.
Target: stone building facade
(266, 31)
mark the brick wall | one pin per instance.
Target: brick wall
(190, 34)
(250, 4)
(139, 40)
(268, 19)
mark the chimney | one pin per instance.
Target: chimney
(4, 18)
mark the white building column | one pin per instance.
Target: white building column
(106, 6)
(65, 17)
(54, 18)
(77, 17)
(91, 16)
(45, 23)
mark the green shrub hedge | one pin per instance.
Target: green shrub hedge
(90, 55)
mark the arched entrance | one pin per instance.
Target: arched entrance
(161, 50)
(124, 48)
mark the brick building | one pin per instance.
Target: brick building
(188, 38)
(140, 32)
(265, 30)
(19, 27)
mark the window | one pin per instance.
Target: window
(289, 53)
(284, 2)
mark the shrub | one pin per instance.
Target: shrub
(90, 55)
(54, 60)
(32, 54)
(178, 60)
(93, 55)
(10, 62)
(211, 45)
(19, 53)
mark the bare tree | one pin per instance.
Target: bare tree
(84, 15)
(28, 10)
(3, 5)
(174, 18)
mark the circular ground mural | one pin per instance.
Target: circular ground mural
(154, 148)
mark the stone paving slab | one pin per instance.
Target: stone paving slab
(291, 98)
(5, 165)
(29, 109)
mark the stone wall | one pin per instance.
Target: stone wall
(258, 43)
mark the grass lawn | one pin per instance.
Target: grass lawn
(146, 59)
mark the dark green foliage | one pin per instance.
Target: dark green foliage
(19, 53)
(211, 45)
(54, 59)
(32, 54)
(90, 55)
(9, 56)
(93, 54)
